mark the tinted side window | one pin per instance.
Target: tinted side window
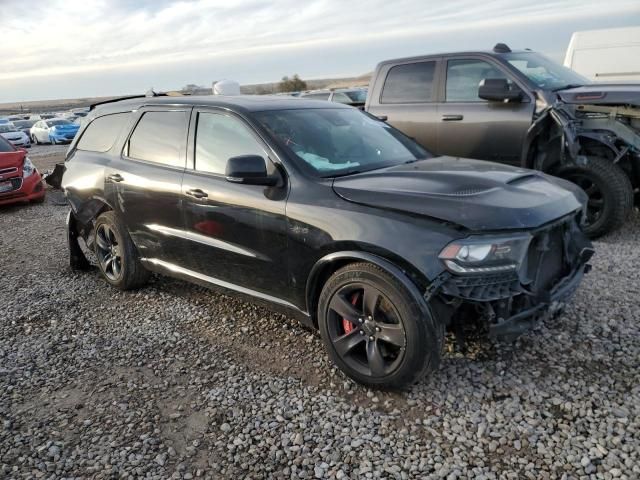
(464, 77)
(409, 83)
(159, 137)
(220, 137)
(102, 133)
(318, 96)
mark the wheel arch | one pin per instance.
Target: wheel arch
(414, 281)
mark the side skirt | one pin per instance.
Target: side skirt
(270, 301)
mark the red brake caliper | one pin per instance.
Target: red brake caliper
(346, 324)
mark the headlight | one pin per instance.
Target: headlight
(27, 168)
(485, 254)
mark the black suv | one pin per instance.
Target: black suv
(520, 108)
(328, 213)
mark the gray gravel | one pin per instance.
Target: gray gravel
(178, 381)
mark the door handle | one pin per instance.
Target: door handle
(196, 193)
(452, 118)
(115, 177)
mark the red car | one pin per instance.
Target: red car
(19, 179)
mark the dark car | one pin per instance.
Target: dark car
(520, 108)
(327, 213)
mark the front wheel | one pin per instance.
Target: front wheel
(117, 256)
(373, 329)
(609, 190)
(34, 139)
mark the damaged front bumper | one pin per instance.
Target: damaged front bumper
(511, 303)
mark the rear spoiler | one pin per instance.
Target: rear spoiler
(150, 94)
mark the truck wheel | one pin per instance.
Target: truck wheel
(117, 256)
(374, 331)
(609, 190)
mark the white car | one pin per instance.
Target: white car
(14, 136)
(54, 131)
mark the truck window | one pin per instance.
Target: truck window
(464, 77)
(102, 133)
(220, 137)
(409, 83)
(159, 137)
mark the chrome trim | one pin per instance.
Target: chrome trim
(4, 171)
(220, 283)
(205, 240)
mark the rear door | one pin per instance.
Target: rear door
(237, 233)
(147, 180)
(475, 128)
(405, 96)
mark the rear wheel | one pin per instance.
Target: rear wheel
(609, 190)
(117, 256)
(374, 330)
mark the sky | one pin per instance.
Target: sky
(84, 48)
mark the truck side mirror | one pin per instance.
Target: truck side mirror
(250, 170)
(499, 90)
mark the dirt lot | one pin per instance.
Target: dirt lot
(178, 381)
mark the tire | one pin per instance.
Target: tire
(609, 190)
(34, 139)
(111, 240)
(52, 141)
(408, 343)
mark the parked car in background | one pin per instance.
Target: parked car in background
(19, 179)
(520, 108)
(24, 126)
(42, 116)
(4, 121)
(607, 55)
(17, 137)
(55, 130)
(327, 213)
(355, 97)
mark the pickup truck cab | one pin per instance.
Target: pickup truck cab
(522, 109)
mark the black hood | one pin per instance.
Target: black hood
(602, 94)
(475, 194)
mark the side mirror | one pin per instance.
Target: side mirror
(499, 90)
(250, 170)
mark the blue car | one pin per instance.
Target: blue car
(55, 130)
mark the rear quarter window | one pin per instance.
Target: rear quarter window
(409, 83)
(102, 133)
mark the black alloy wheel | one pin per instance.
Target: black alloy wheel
(376, 328)
(366, 330)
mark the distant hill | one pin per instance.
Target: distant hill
(254, 89)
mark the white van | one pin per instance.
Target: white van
(610, 55)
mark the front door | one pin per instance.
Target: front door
(146, 183)
(475, 128)
(237, 232)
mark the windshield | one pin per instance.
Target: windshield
(333, 142)
(51, 123)
(6, 146)
(545, 73)
(7, 127)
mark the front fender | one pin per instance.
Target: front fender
(332, 261)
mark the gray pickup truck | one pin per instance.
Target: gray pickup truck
(520, 108)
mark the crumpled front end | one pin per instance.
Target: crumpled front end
(510, 299)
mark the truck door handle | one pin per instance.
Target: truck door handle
(115, 177)
(452, 118)
(196, 193)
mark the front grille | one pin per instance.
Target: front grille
(16, 184)
(7, 171)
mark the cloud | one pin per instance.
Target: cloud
(76, 38)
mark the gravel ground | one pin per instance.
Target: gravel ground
(178, 381)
